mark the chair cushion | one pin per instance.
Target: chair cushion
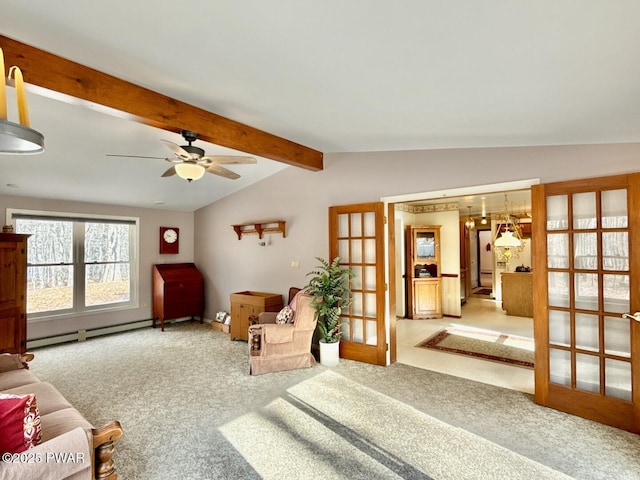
(49, 399)
(15, 378)
(285, 315)
(20, 420)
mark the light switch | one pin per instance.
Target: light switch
(295, 263)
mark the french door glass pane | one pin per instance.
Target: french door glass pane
(617, 379)
(344, 328)
(560, 366)
(584, 211)
(369, 278)
(559, 328)
(356, 251)
(369, 224)
(558, 250)
(356, 279)
(588, 372)
(586, 291)
(617, 336)
(356, 225)
(49, 288)
(358, 330)
(557, 212)
(356, 304)
(614, 209)
(558, 289)
(370, 305)
(615, 251)
(343, 250)
(372, 337)
(343, 225)
(587, 337)
(370, 250)
(616, 293)
(585, 251)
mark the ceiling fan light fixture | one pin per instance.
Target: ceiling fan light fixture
(190, 171)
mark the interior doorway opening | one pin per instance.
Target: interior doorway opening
(479, 311)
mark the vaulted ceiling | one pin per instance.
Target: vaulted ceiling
(334, 76)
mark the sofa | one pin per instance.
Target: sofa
(67, 446)
(282, 341)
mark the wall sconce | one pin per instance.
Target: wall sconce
(17, 138)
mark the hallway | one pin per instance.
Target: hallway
(478, 312)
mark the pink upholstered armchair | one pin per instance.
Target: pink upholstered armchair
(274, 347)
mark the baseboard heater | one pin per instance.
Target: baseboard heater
(82, 335)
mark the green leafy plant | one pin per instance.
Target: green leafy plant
(330, 292)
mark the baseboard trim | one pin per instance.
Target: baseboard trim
(82, 335)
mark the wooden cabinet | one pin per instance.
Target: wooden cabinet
(246, 304)
(178, 291)
(424, 282)
(13, 293)
(517, 293)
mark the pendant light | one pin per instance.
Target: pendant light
(470, 223)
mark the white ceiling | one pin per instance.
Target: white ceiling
(336, 76)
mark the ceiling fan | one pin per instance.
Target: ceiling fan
(191, 162)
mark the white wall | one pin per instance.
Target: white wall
(150, 221)
(302, 197)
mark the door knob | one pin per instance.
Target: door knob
(635, 316)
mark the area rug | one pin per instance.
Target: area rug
(484, 344)
(483, 291)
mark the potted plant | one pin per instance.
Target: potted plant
(330, 292)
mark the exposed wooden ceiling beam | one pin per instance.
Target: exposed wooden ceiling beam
(68, 81)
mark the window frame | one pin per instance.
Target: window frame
(79, 263)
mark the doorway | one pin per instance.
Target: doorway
(477, 312)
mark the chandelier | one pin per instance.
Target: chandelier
(17, 138)
(507, 241)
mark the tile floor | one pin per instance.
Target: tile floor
(479, 312)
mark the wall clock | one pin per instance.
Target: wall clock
(169, 240)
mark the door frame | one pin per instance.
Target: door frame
(391, 240)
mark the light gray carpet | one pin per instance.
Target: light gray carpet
(186, 402)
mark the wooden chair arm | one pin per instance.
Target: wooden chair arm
(103, 443)
(25, 358)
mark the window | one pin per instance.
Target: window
(77, 264)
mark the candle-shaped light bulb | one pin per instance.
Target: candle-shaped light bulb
(3, 89)
(23, 114)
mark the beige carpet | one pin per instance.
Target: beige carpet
(348, 420)
(187, 403)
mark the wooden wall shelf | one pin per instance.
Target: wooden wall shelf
(260, 228)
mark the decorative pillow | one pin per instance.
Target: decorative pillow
(285, 315)
(20, 422)
(10, 361)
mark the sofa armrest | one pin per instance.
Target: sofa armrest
(58, 458)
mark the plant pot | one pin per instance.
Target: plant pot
(329, 353)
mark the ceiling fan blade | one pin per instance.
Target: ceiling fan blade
(178, 150)
(132, 156)
(170, 172)
(230, 159)
(223, 172)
